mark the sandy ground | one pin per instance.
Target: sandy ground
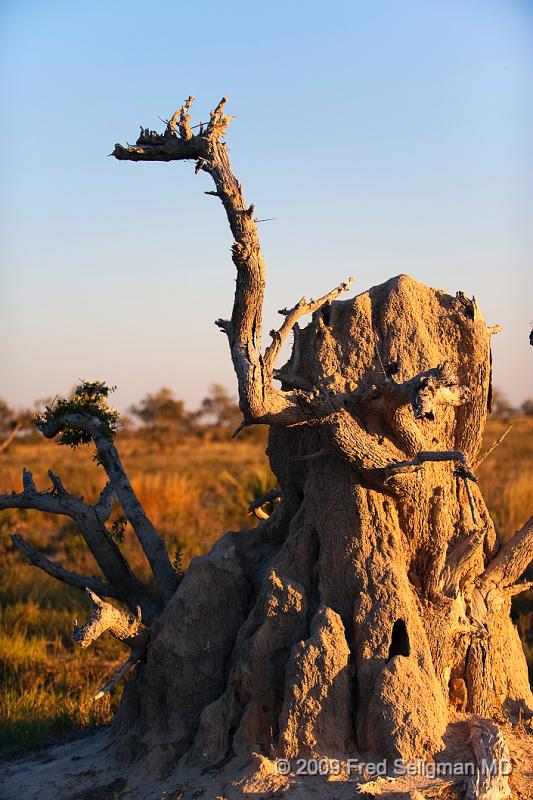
(85, 770)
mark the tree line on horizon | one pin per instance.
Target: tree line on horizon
(160, 415)
(163, 417)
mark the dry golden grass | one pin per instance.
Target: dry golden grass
(193, 492)
(506, 477)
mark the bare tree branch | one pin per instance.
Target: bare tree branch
(116, 677)
(293, 315)
(39, 560)
(127, 628)
(511, 561)
(151, 542)
(425, 455)
(90, 521)
(123, 626)
(493, 446)
(181, 120)
(462, 470)
(7, 441)
(256, 508)
(259, 401)
(105, 503)
(424, 393)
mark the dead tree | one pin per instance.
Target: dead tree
(341, 621)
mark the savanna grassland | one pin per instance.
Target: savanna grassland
(193, 491)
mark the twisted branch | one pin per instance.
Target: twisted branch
(55, 570)
(121, 581)
(151, 542)
(424, 393)
(259, 401)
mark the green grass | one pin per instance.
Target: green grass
(45, 682)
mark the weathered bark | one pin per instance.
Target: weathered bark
(151, 542)
(90, 520)
(493, 763)
(105, 617)
(123, 626)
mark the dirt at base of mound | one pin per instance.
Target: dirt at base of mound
(86, 770)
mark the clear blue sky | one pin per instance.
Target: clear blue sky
(383, 136)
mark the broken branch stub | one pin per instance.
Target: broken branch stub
(123, 626)
(493, 762)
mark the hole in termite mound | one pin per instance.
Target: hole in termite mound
(399, 642)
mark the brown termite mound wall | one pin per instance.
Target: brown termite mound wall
(338, 623)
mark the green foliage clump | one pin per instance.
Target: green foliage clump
(118, 528)
(99, 458)
(177, 563)
(89, 399)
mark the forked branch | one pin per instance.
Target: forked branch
(90, 520)
(293, 315)
(94, 428)
(55, 570)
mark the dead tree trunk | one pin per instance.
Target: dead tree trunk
(340, 622)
